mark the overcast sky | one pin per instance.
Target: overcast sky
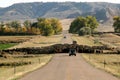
(5, 3)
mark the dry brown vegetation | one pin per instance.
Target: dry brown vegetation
(40, 41)
(107, 62)
(15, 67)
(85, 40)
(109, 39)
(14, 39)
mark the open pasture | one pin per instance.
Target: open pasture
(107, 62)
(109, 39)
(85, 40)
(14, 67)
(40, 41)
(14, 39)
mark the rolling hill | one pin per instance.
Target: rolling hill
(22, 11)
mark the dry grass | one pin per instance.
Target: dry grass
(109, 39)
(105, 28)
(112, 62)
(16, 39)
(40, 41)
(84, 40)
(8, 72)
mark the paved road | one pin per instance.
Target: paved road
(64, 67)
(66, 38)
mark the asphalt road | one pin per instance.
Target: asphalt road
(64, 67)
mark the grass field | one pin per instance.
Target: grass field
(107, 62)
(109, 39)
(40, 41)
(13, 66)
(7, 45)
(11, 72)
(14, 39)
(85, 40)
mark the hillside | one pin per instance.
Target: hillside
(22, 11)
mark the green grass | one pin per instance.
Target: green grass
(112, 62)
(8, 45)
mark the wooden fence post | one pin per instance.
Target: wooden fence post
(104, 63)
(14, 69)
(39, 61)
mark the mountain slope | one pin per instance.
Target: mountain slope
(103, 11)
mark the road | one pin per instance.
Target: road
(64, 67)
(66, 38)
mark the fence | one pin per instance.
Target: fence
(16, 70)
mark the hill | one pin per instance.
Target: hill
(22, 11)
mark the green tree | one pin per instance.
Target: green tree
(2, 27)
(92, 23)
(116, 24)
(57, 27)
(16, 25)
(45, 27)
(89, 22)
(27, 24)
(85, 31)
(48, 26)
(77, 24)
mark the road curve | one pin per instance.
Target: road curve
(64, 67)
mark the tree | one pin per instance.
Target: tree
(27, 24)
(57, 27)
(92, 23)
(2, 27)
(48, 26)
(116, 24)
(89, 22)
(85, 31)
(77, 24)
(15, 24)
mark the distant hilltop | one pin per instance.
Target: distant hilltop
(22, 11)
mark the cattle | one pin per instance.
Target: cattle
(57, 48)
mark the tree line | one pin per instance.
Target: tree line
(87, 25)
(43, 26)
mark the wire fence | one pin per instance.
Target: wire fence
(18, 69)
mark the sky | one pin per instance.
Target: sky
(6, 3)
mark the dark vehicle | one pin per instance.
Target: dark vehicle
(72, 52)
(64, 36)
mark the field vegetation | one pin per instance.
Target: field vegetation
(10, 41)
(5, 46)
(86, 40)
(107, 62)
(40, 41)
(14, 39)
(109, 39)
(16, 66)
